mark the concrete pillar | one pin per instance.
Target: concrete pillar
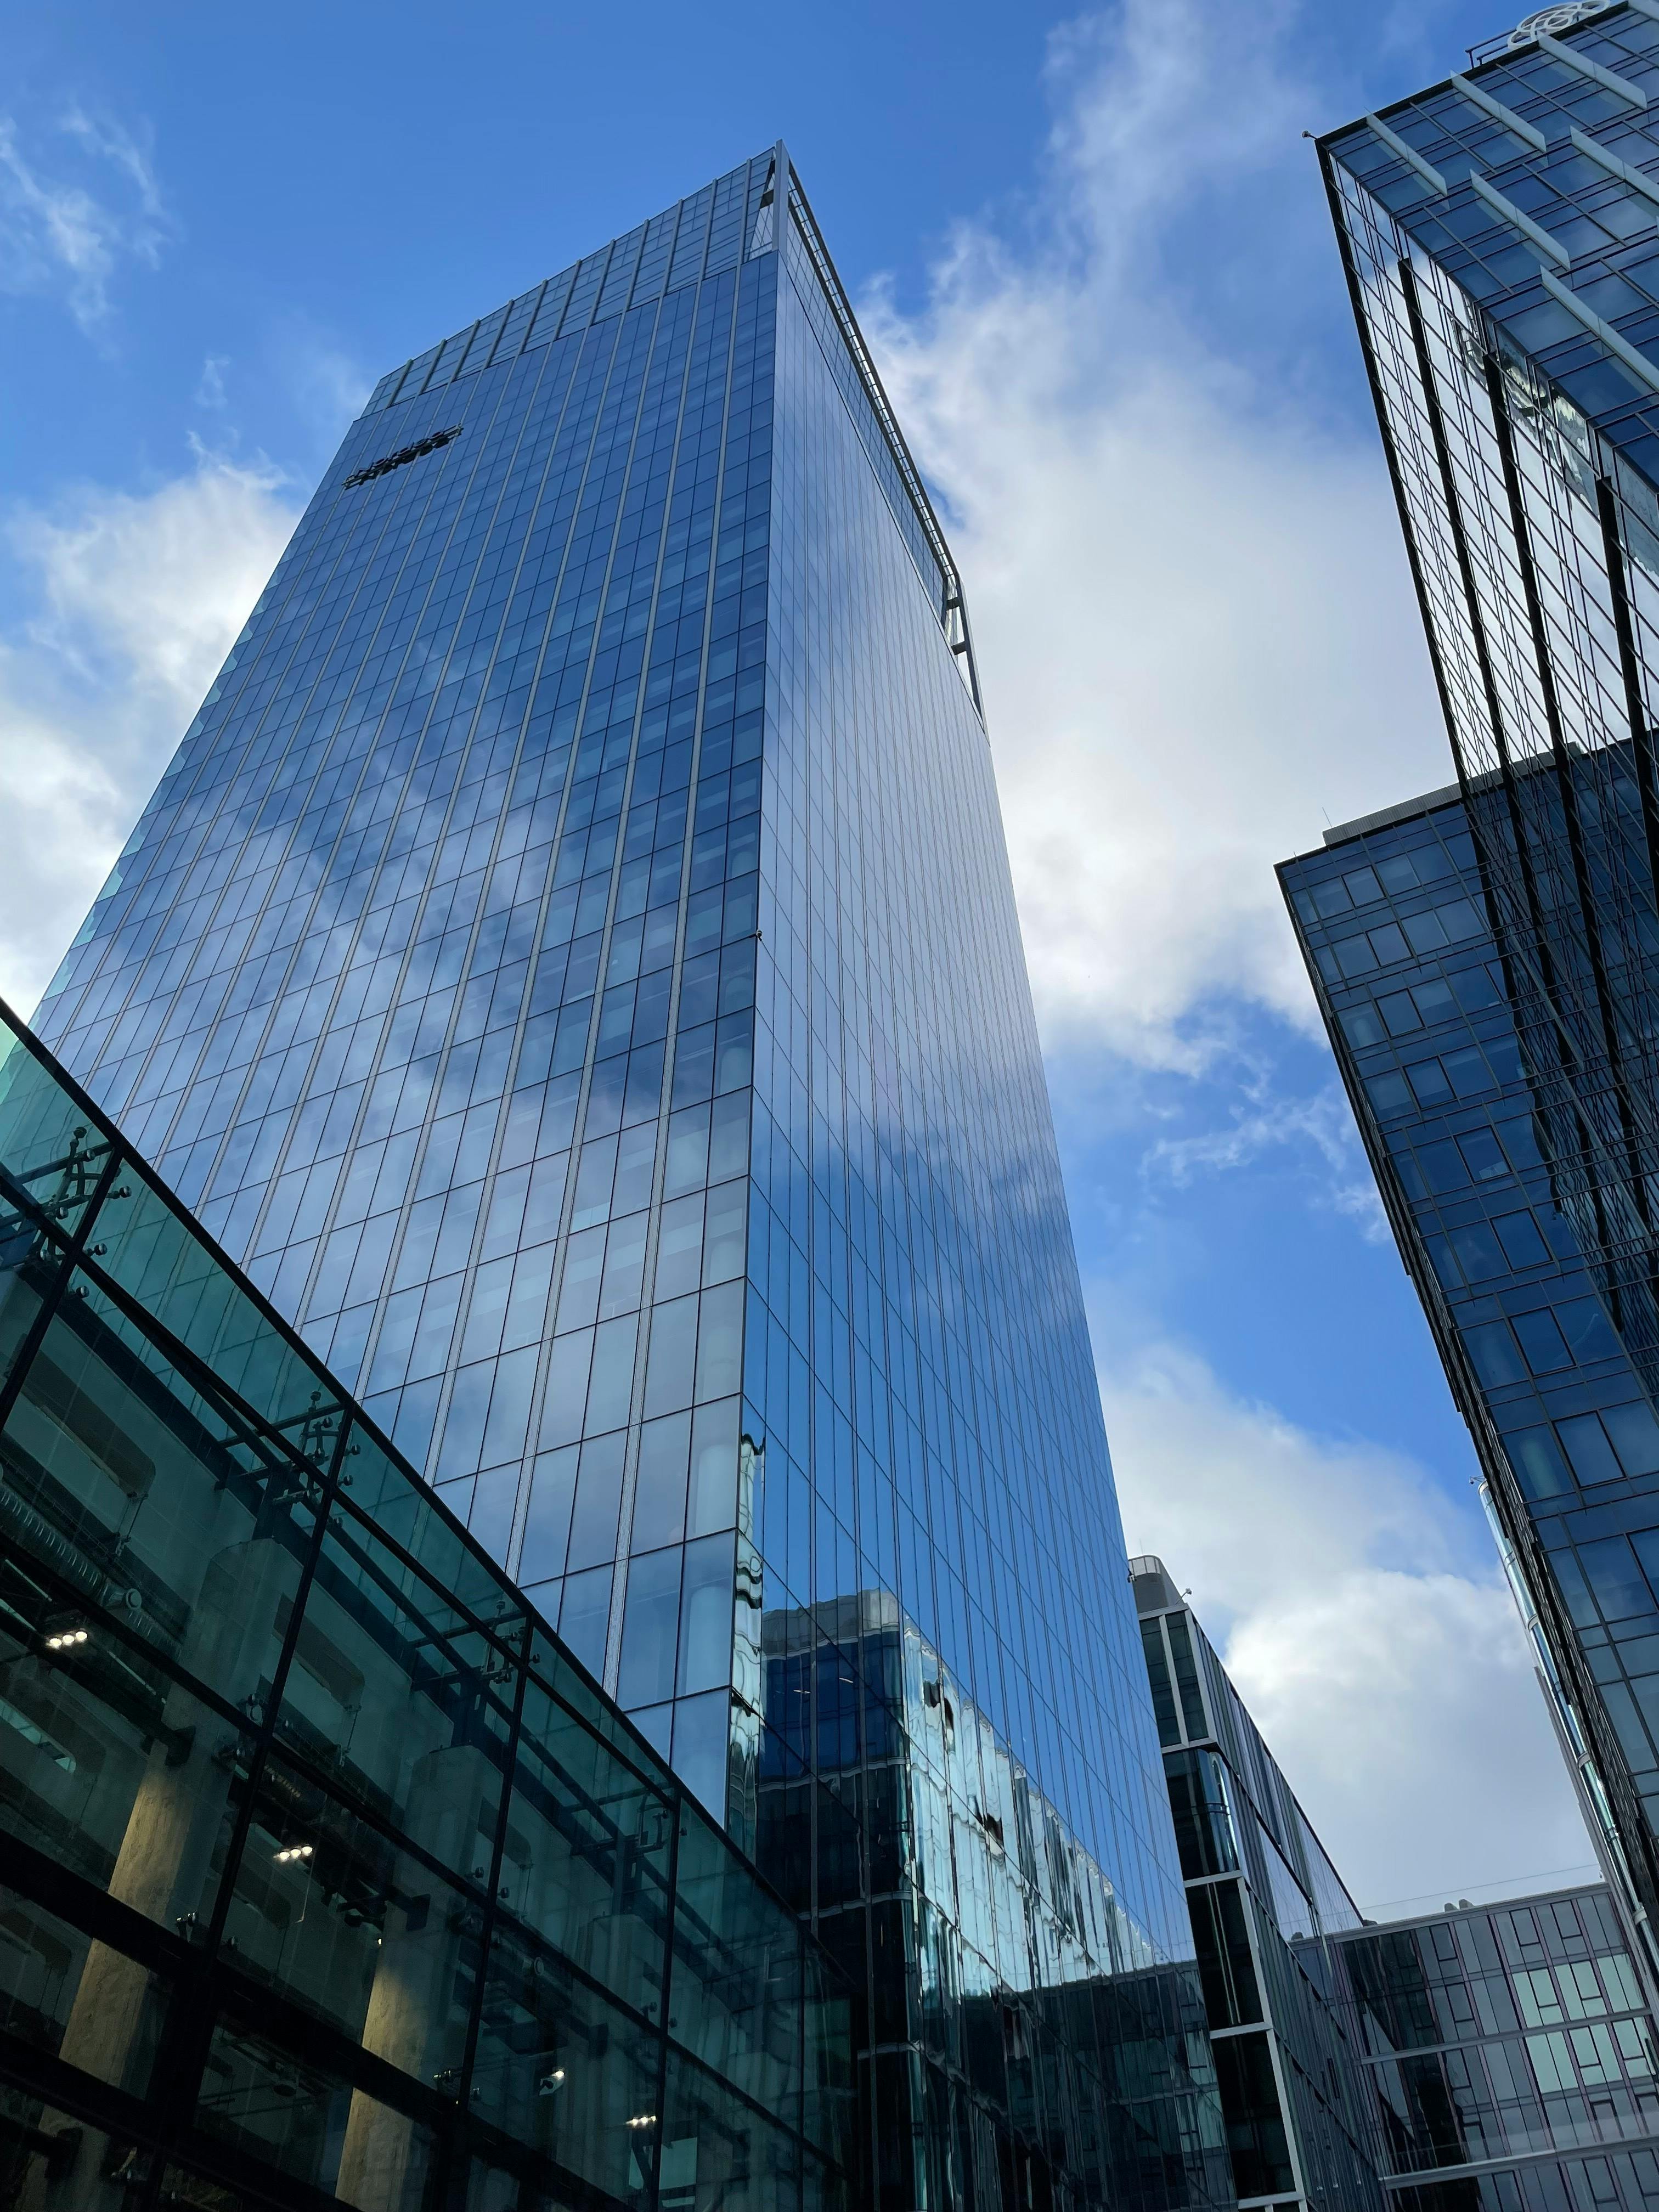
(162, 1865)
(408, 2020)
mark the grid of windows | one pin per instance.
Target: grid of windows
(328, 1876)
(572, 960)
(1500, 234)
(1564, 1426)
(443, 1024)
(1265, 1902)
(1504, 2035)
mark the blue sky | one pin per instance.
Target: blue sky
(1093, 253)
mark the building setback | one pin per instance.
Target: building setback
(571, 962)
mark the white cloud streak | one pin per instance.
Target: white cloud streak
(1261, 1121)
(139, 596)
(1191, 609)
(69, 233)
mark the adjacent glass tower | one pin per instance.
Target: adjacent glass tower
(1488, 958)
(571, 962)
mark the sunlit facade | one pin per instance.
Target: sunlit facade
(571, 962)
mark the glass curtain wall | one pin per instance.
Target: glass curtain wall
(328, 1876)
(1502, 237)
(1393, 921)
(1266, 1903)
(428, 975)
(1510, 2057)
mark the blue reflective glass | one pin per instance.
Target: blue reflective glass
(571, 960)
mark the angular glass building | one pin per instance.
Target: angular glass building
(1267, 1907)
(327, 1878)
(571, 962)
(1415, 992)
(1500, 232)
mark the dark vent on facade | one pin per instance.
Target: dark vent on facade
(404, 454)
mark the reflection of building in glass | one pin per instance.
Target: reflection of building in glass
(1488, 964)
(1265, 1902)
(1017, 2011)
(1510, 2055)
(572, 961)
(1392, 918)
(327, 1873)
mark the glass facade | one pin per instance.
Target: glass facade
(328, 1876)
(1266, 1905)
(1488, 967)
(1497, 2040)
(1502, 236)
(1011, 1995)
(1415, 994)
(571, 962)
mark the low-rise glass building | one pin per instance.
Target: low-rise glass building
(328, 1876)
(1510, 2056)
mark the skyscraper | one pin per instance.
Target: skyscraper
(571, 960)
(1501, 232)
(1488, 958)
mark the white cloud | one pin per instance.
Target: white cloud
(1260, 1120)
(1191, 607)
(58, 233)
(210, 385)
(139, 596)
(329, 384)
(1365, 1625)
